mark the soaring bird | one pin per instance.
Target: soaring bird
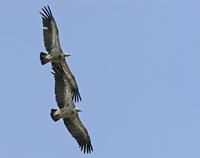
(68, 111)
(51, 39)
(55, 53)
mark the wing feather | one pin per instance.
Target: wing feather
(74, 86)
(79, 132)
(50, 30)
(70, 80)
(62, 88)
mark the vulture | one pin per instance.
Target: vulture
(54, 52)
(68, 111)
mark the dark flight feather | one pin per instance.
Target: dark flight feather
(52, 44)
(79, 132)
(63, 98)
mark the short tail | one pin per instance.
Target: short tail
(42, 58)
(53, 116)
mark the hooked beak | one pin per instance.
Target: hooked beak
(67, 55)
(78, 109)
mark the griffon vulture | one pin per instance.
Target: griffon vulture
(55, 53)
(68, 111)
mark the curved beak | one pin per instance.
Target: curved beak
(67, 55)
(78, 109)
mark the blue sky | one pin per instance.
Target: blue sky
(137, 64)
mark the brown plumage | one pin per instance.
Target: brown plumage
(70, 111)
(55, 53)
(79, 132)
(50, 31)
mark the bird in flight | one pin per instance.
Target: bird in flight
(68, 111)
(54, 52)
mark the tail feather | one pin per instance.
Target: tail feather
(42, 58)
(54, 116)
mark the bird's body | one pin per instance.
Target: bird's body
(55, 53)
(65, 112)
(51, 57)
(68, 111)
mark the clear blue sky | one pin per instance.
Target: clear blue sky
(137, 64)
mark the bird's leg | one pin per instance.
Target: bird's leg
(58, 112)
(48, 57)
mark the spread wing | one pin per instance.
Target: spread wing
(79, 132)
(50, 31)
(62, 88)
(71, 80)
(64, 97)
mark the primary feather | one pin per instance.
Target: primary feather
(55, 53)
(65, 102)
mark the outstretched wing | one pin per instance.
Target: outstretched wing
(62, 88)
(50, 31)
(79, 132)
(71, 80)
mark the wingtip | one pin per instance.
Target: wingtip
(86, 148)
(76, 96)
(46, 12)
(49, 10)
